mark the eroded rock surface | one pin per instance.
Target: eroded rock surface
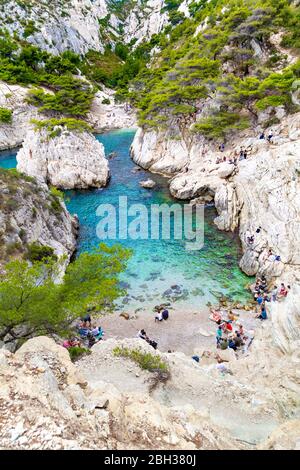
(69, 160)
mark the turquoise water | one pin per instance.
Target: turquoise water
(201, 276)
(8, 159)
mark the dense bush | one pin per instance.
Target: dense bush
(36, 252)
(77, 353)
(5, 116)
(145, 361)
(54, 126)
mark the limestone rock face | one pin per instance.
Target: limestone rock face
(30, 213)
(65, 411)
(107, 401)
(13, 97)
(145, 20)
(154, 152)
(59, 26)
(74, 25)
(261, 191)
(70, 160)
(106, 113)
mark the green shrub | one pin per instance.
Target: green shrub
(52, 126)
(5, 116)
(105, 101)
(36, 252)
(145, 361)
(219, 125)
(77, 353)
(56, 193)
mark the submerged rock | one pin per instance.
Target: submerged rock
(69, 160)
(148, 184)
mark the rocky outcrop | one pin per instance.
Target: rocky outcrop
(107, 401)
(261, 191)
(76, 25)
(148, 184)
(13, 97)
(68, 160)
(30, 213)
(64, 411)
(61, 26)
(158, 153)
(106, 114)
(144, 20)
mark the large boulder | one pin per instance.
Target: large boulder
(69, 160)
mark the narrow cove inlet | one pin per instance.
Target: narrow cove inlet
(201, 277)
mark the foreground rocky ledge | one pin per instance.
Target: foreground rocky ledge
(104, 401)
(69, 160)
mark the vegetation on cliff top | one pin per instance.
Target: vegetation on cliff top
(229, 66)
(54, 126)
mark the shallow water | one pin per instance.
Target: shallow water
(156, 265)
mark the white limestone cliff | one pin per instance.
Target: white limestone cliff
(144, 20)
(74, 24)
(30, 213)
(69, 160)
(13, 97)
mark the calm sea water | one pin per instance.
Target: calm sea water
(156, 265)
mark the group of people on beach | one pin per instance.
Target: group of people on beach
(230, 332)
(88, 334)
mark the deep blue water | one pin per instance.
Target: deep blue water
(156, 264)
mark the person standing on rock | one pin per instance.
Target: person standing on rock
(274, 293)
(270, 137)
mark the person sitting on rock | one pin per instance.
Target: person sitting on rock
(232, 316)
(283, 292)
(270, 137)
(263, 313)
(165, 314)
(241, 330)
(223, 344)
(257, 285)
(231, 343)
(91, 340)
(228, 325)
(274, 293)
(87, 321)
(219, 335)
(263, 284)
(238, 340)
(259, 299)
(71, 343)
(159, 316)
(262, 136)
(97, 332)
(143, 335)
(215, 316)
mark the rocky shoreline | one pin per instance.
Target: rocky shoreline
(260, 192)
